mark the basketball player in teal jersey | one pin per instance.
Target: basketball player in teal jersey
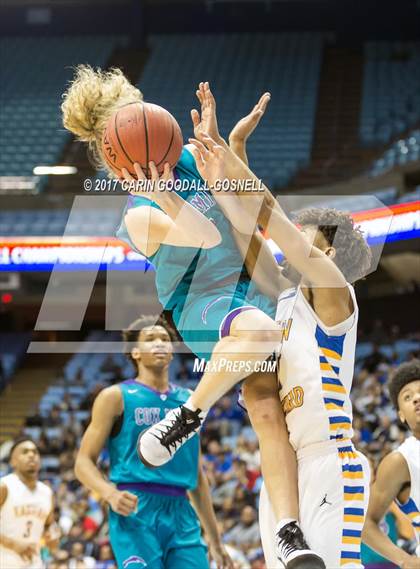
(200, 279)
(151, 521)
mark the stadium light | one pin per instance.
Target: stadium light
(54, 170)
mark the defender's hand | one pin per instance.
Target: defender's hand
(209, 158)
(206, 123)
(246, 126)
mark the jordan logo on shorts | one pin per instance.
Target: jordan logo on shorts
(325, 501)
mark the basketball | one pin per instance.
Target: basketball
(141, 132)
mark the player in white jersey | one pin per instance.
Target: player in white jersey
(319, 323)
(328, 254)
(398, 476)
(26, 510)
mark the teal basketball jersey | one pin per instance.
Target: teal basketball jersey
(177, 266)
(389, 526)
(143, 406)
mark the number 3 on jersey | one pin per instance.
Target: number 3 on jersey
(28, 529)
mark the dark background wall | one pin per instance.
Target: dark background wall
(350, 20)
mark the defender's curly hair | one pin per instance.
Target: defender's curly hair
(353, 255)
(92, 97)
(405, 373)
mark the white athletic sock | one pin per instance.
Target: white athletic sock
(284, 522)
(189, 405)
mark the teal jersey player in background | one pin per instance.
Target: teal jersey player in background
(151, 521)
(388, 526)
(373, 560)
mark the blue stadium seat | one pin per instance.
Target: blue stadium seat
(55, 222)
(391, 90)
(401, 152)
(30, 95)
(240, 67)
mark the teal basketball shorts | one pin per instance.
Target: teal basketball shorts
(164, 533)
(206, 318)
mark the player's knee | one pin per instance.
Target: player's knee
(266, 415)
(262, 401)
(266, 339)
(261, 386)
(255, 325)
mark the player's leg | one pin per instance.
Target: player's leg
(268, 525)
(279, 469)
(133, 538)
(194, 557)
(248, 336)
(278, 459)
(184, 546)
(332, 510)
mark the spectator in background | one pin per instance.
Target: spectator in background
(111, 367)
(106, 558)
(257, 560)
(183, 374)
(67, 403)
(87, 403)
(77, 556)
(246, 533)
(386, 432)
(245, 475)
(248, 451)
(378, 334)
(54, 418)
(374, 359)
(221, 458)
(2, 376)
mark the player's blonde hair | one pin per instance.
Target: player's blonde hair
(93, 95)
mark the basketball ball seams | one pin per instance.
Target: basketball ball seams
(119, 140)
(127, 141)
(170, 145)
(146, 139)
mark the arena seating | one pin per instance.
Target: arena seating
(359, 202)
(401, 152)
(413, 196)
(391, 90)
(12, 348)
(55, 222)
(240, 68)
(33, 75)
